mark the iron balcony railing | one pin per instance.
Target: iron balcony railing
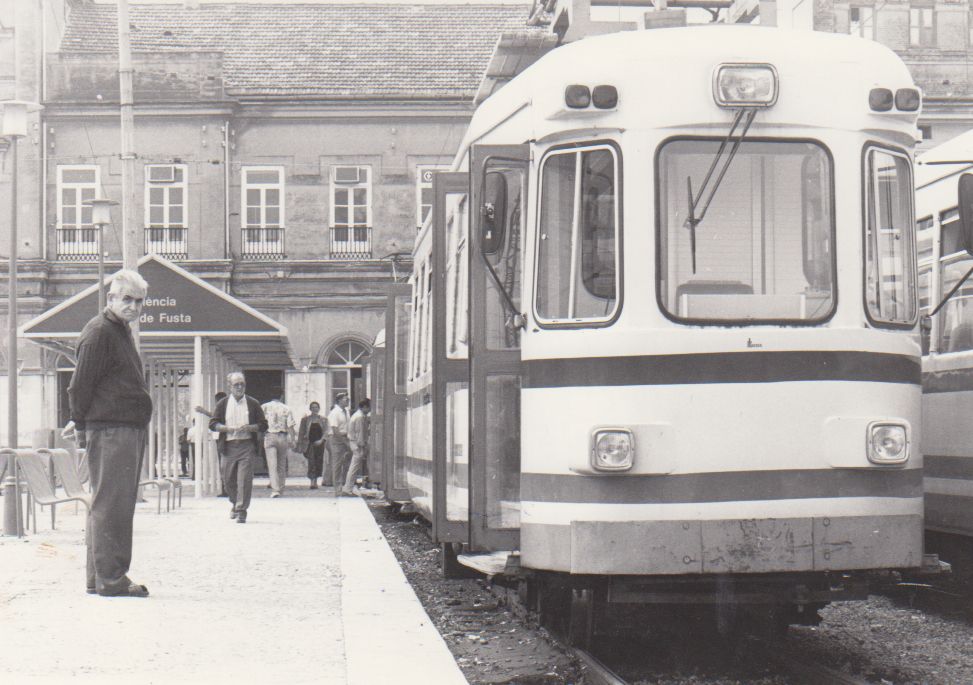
(77, 244)
(263, 243)
(169, 242)
(351, 242)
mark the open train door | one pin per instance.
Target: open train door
(392, 412)
(451, 363)
(499, 189)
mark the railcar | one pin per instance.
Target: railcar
(663, 340)
(946, 295)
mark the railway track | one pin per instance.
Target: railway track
(805, 671)
(802, 670)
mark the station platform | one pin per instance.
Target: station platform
(307, 591)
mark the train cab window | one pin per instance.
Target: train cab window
(578, 246)
(890, 257)
(764, 249)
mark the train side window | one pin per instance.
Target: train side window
(890, 261)
(578, 246)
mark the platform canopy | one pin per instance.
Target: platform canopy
(179, 308)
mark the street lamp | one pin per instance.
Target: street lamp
(14, 126)
(100, 217)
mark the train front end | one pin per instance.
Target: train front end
(722, 367)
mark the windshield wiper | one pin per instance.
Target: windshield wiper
(745, 115)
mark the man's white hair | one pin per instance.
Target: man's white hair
(130, 278)
(230, 376)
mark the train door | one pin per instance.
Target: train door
(499, 187)
(395, 400)
(451, 371)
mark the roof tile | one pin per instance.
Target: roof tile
(339, 50)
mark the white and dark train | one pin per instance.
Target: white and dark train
(944, 193)
(662, 340)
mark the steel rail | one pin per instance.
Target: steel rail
(596, 672)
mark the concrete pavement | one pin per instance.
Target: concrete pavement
(307, 591)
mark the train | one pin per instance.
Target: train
(944, 214)
(661, 342)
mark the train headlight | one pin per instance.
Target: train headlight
(745, 85)
(888, 443)
(612, 449)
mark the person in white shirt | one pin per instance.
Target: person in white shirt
(279, 439)
(358, 440)
(338, 442)
(239, 420)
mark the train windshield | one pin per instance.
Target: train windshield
(764, 251)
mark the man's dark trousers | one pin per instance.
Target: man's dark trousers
(238, 459)
(115, 461)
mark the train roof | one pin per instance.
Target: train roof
(668, 75)
(930, 165)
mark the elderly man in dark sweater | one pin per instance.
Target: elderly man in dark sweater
(110, 409)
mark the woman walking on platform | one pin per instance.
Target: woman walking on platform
(312, 432)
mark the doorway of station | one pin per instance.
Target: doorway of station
(348, 372)
(264, 384)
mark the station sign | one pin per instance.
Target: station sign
(177, 303)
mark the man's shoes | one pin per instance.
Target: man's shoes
(133, 590)
(347, 493)
(234, 514)
(314, 485)
(91, 591)
(274, 494)
(242, 518)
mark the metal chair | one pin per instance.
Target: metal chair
(34, 466)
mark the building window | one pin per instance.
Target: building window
(263, 212)
(76, 236)
(862, 22)
(925, 130)
(424, 198)
(922, 27)
(351, 212)
(165, 210)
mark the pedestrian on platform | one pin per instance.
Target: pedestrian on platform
(239, 420)
(281, 436)
(313, 432)
(110, 409)
(338, 441)
(215, 437)
(358, 441)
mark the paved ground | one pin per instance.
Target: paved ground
(306, 591)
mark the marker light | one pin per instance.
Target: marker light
(604, 97)
(577, 96)
(907, 99)
(888, 443)
(612, 450)
(880, 99)
(745, 85)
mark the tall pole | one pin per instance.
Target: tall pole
(12, 370)
(101, 268)
(130, 241)
(11, 494)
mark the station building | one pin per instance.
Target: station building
(283, 157)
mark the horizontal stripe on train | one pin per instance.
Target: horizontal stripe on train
(722, 487)
(723, 367)
(949, 513)
(952, 380)
(423, 467)
(560, 513)
(938, 466)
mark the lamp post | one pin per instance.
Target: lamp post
(100, 217)
(14, 126)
